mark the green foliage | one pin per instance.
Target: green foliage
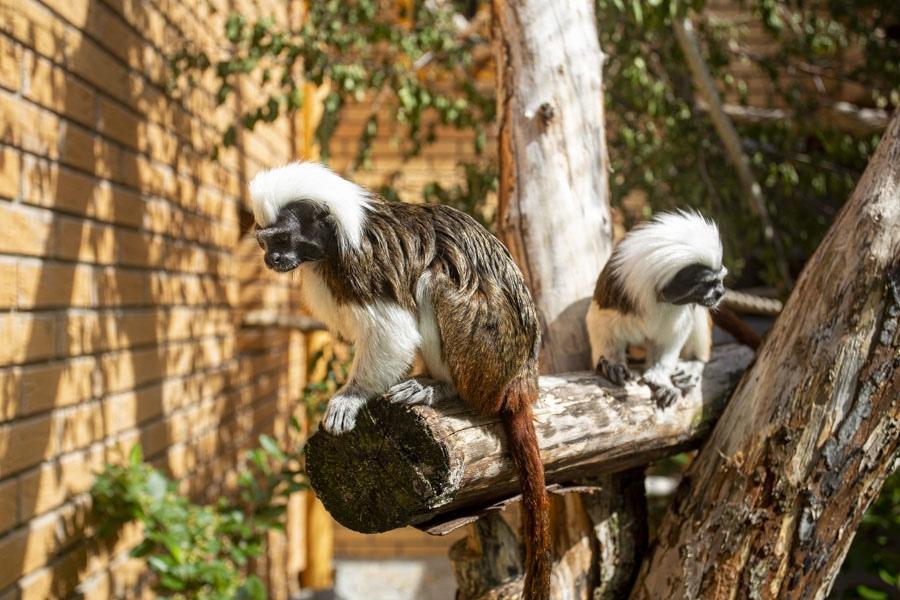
(420, 70)
(661, 143)
(418, 67)
(479, 182)
(875, 553)
(199, 551)
(328, 368)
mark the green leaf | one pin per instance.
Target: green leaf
(230, 136)
(136, 456)
(271, 446)
(157, 485)
(252, 589)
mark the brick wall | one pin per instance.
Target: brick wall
(123, 281)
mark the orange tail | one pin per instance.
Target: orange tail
(518, 421)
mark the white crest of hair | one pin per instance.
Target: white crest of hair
(347, 202)
(652, 253)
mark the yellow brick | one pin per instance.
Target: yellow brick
(8, 514)
(98, 67)
(29, 548)
(96, 588)
(25, 443)
(10, 396)
(10, 170)
(126, 574)
(52, 88)
(76, 12)
(10, 65)
(28, 127)
(24, 230)
(79, 427)
(124, 287)
(48, 184)
(127, 410)
(84, 241)
(35, 27)
(42, 284)
(12, 548)
(51, 484)
(52, 385)
(8, 285)
(26, 337)
(118, 124)
(122, 371)
(78, 147)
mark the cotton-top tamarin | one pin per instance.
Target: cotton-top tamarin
(656, 291)
(396, 279)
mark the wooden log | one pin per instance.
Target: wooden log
(769, 507)
(553, 182)
(429, 465)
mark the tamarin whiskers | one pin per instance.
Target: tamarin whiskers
(656, 291)
(396, 279)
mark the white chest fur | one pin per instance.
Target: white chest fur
(320, 302)
(385, 326)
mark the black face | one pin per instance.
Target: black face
(302, 233)
(695, 284)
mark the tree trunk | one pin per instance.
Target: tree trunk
(553, 195)
(554, 216)
(405, 465)
(769, 507)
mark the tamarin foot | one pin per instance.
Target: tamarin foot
(686, 380)
(615, 372)
(420, 390)
(664, 395)
(411, 392)
(341, 412)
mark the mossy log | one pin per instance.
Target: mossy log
(435, 466)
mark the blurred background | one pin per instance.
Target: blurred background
(135, 311)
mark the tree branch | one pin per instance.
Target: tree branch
(411, 465)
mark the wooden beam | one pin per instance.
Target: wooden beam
(411, 465)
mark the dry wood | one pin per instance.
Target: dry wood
(407, 465)
(841, 116)
(553, 210)
(769, 507)
(553, 193)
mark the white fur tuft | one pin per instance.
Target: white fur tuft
(655, 251)
(345, 201)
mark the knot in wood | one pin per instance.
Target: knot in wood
(546, 113)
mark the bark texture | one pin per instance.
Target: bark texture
(406, 465)
(553, 203)
(553, 194)
(769, 508)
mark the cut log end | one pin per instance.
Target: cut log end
(372, 479)
(405, 465)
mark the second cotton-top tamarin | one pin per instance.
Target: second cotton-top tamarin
(656, 291)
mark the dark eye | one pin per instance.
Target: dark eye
(282, 239)
(259, 241)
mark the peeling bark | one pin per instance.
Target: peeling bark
(769, 507)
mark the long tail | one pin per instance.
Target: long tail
(518, 421)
